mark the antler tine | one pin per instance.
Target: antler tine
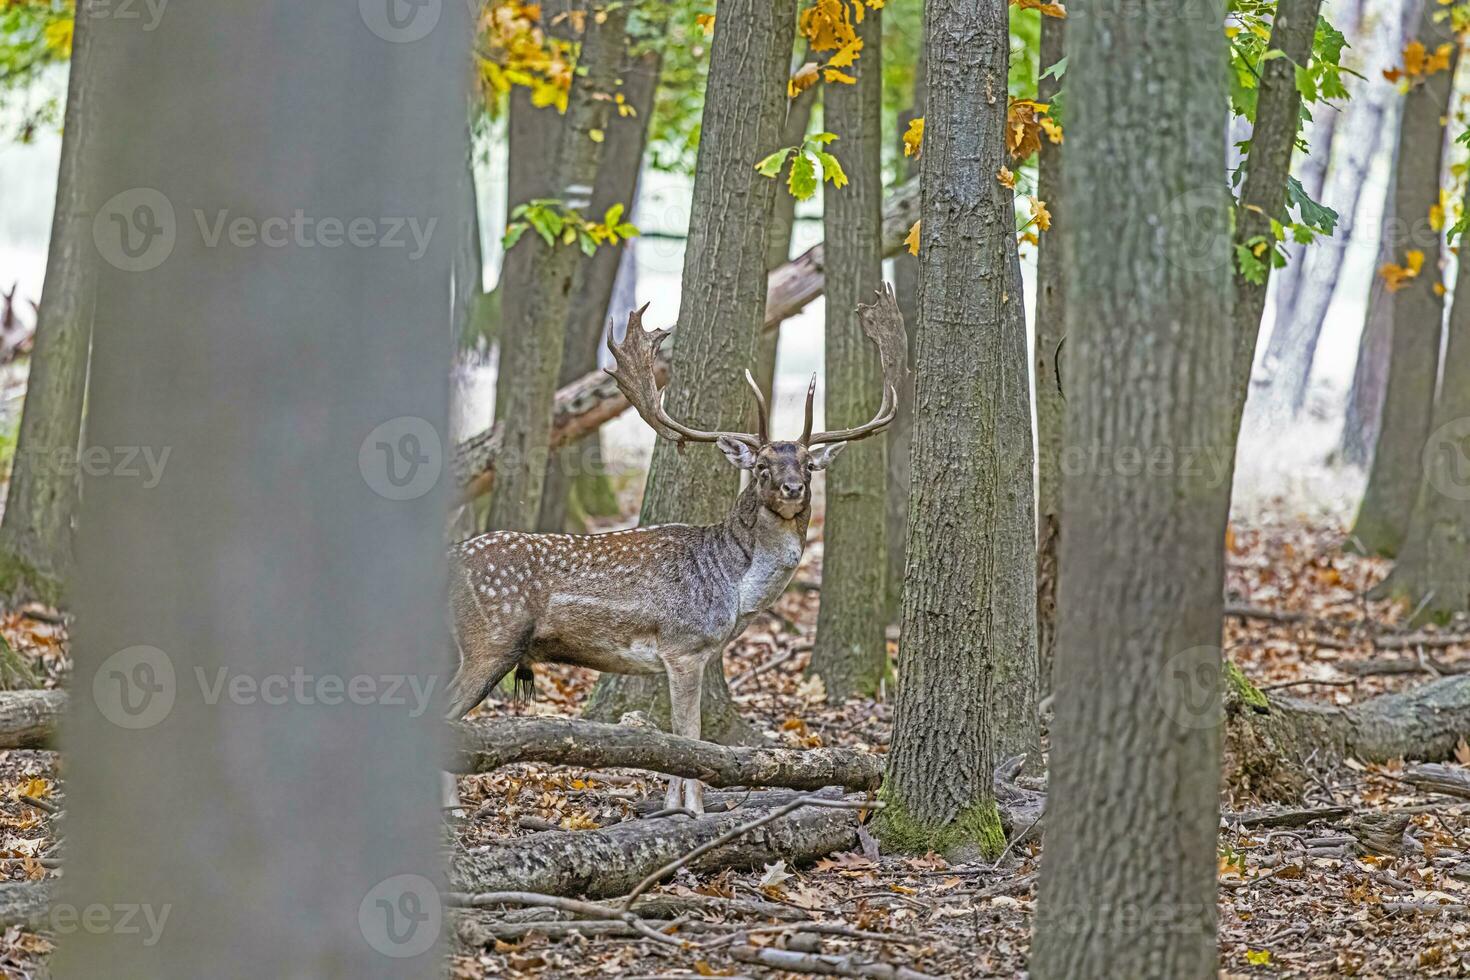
(636, 377)
(806, 427)
(882, 322)
(760, 407)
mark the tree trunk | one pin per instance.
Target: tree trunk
(284, 538)
(1417, 308)
(721, 311)
(1367, 124)
(901, 432)
(1140, 611)
(36, 536)
(1051, 327)
(783, 225)
(1267, 165)
(1433, 567)
(533, 333)
(577, 484)
(967, 672)
(851, 652)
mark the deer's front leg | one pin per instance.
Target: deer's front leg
(685, 685)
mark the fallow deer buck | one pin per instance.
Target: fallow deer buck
(662, 598)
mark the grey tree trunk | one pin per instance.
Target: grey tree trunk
(721, 310)
(1433, 567)
(1369, 122)
(850, 652)
(1417, 309)
(967, 671)
(244, 620)
(783, 226)
(577, 484)
(1278, 117)
(36, 533)
(533, 330)
(900, 433)
(1051, 331)
(1134, 760)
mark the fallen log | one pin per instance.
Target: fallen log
(1271, 740)
(28, 719)
(487, 745)
(612, 861)
(1435, 778)
(594, 399)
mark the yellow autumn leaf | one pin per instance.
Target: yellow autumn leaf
(58, 36)
(1048, 8)
(805, 77)
(1396, 277)
(1258, 957)
(833, 75)
(1436, 216)
(913, 137)
(1023, 128)
(1006, 178)
(911, 240)
(596, 135)
(1040, 214)
(706, 23)
(1052, 129)
(1026, 237)
(846, 54)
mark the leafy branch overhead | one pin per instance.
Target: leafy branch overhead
(555, 222)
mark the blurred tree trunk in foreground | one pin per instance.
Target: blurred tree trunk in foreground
(1134, 759)
(239, 746)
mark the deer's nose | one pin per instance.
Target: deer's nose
(792, 490)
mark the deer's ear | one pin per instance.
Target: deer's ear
(737, 452)
(822, 456)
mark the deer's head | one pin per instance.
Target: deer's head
(782, 470)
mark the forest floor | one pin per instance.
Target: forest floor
(1304, 901)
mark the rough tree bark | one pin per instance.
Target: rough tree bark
(284, 536)
(1051, 327)
(1132, 763)
(533, 331)
(1263, 198)
(577, 484)
(36, 534)
(1417, 308)
(850, 652)
(967, 670)
(1368, 123)
(721, 311)
(1433, 567)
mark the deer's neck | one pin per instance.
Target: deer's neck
(764, 549)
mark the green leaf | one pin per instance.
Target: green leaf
(513, 233)
(802, 181)
(613, 215)
(1318, 216)
(1303, 235)
(831, 169)
(1057, 70)
(1252, 269)
(587, 243)
(822, 138)
(546, 222)
(771, 165)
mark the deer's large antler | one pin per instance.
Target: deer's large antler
(635, 378)
(882, 321)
